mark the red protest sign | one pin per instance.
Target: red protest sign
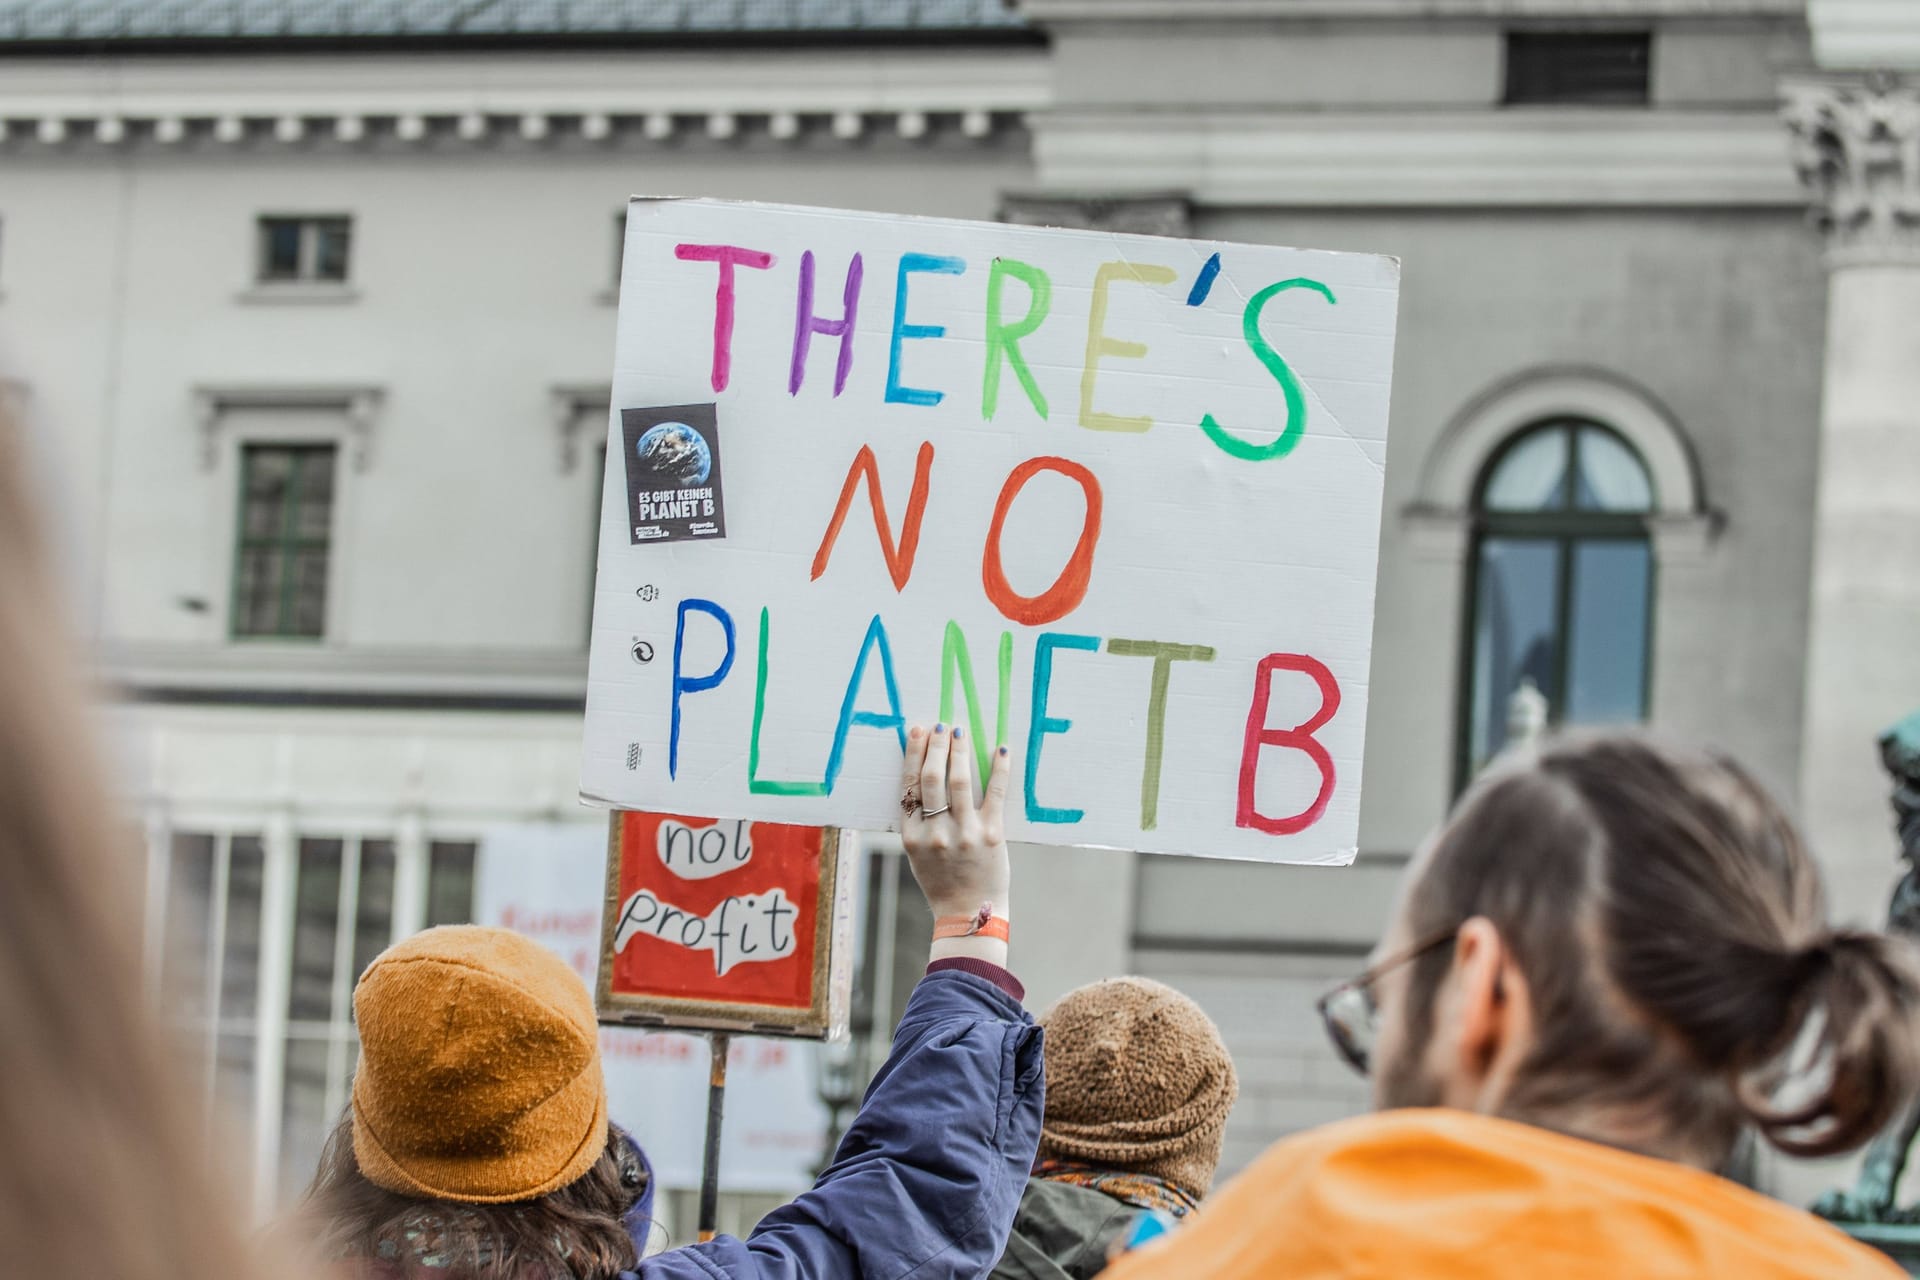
(721, 924)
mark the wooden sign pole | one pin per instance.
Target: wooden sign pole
(719, 1046)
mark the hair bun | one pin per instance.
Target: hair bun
(1859, 994)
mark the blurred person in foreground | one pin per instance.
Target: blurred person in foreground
(1139, 1085)
(102, 1160)
(1610, 962)
(477, 1145)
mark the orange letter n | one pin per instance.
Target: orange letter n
(899, 560)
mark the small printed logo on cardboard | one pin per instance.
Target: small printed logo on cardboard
(673, 473)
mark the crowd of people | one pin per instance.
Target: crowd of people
(1609, 964)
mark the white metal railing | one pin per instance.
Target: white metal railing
(185, 928)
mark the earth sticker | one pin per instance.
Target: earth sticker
(673, 473)
(674, 453)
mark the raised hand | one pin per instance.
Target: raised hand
(956, 843)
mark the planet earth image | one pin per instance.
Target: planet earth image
(675, 452)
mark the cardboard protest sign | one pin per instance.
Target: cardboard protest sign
(726, 925)
(1111, 500)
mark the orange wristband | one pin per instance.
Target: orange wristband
(982, 924)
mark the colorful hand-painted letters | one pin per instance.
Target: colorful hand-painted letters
(1209, 502)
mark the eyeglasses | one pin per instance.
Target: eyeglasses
(1352, 1015)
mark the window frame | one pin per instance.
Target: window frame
(284, 542)
(1510, 99)
(1568, 528)
(270, 1027)
(306, 272)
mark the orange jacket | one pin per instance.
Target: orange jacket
(1444, 1194)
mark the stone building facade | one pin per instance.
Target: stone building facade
(309, 311)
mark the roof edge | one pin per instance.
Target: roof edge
(522, 42)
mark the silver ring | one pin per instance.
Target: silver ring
(934, 813)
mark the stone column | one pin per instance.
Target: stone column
(1857, 149)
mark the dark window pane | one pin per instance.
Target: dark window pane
(269, 469)
(280, 568)
(1531, 474)
(279, 248)
(266, 475)
(333, 237)
(450, 883)
(263, 516)
(233, 1097)
(313, 494)
(373, 920)
(1607, 647)
(256, 604)
(240, 965)
(307, 614)
(1513, 635)
(183, 965)
(1609, 475)
(265, 479)
(316, 912)
(1579, 67)
(303, 1114)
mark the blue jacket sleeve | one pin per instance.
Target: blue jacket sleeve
(926, 1182)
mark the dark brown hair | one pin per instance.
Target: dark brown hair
(1671, 927)
(575, 1233)
(103, 1168)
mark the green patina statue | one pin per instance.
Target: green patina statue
(1871, 1198)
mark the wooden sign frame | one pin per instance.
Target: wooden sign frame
(824, 1018)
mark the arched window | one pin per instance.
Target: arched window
(1561, 585)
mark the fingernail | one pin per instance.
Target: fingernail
(916, 732)
(1003, 751)
(939, 728)
(958, 733)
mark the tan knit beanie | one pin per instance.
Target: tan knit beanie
(1139, 1080)
(479, 1076)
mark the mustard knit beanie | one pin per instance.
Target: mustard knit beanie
(1138, 1080)
(479, 1077)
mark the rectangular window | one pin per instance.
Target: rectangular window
(304, 249)
(332, 913)
(281, 554)
(1570, 68)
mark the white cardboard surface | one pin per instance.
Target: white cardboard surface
(1195, 547)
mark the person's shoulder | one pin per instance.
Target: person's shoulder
(1071, 1226)
(1066, 1203)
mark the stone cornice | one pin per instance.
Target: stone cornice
(1856, 147)
(524, 99)
(1423, 159)
(1169, 214)
(1045, 12)
(1865, 34)
(358, 405)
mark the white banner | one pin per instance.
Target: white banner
(1112, 500)
(548, 883)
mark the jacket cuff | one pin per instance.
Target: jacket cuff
(993, 973)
